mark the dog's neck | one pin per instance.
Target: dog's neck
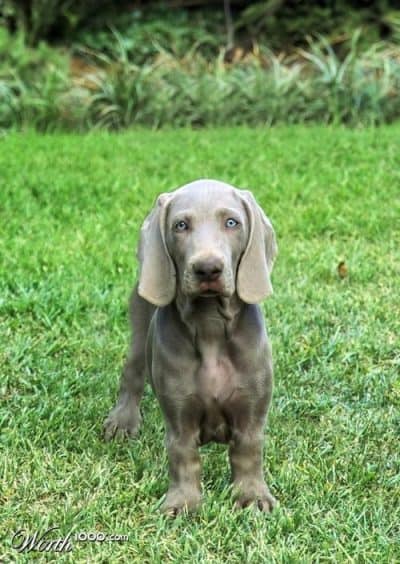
(209, 320)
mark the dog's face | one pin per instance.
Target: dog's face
(206, 239)
(206, 235)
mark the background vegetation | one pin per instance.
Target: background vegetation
(66, 64)
(277, 22)
(69, 217)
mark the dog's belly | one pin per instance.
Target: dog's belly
(216, 382)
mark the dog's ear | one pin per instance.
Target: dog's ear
(157, 276)
(255, 267)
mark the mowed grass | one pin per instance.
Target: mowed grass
(71, 207)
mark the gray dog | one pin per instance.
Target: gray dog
(206, 253)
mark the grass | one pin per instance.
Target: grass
(70, 211)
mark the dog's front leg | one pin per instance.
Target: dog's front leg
(184, 493)
(124, 419)
(245, 455)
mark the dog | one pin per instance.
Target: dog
(206, 254)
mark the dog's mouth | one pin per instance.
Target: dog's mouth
(219, 287)
(210, 289)
(209, 294)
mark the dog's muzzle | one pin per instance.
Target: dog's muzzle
(207, 276)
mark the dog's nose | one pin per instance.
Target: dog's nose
(208, 270)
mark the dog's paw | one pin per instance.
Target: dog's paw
(260, 497)
(180, 501)
(122, 422)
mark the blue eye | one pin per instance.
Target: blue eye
(231, 223)
(181, 226)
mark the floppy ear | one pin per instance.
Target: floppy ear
(157, 276)
(255, 267)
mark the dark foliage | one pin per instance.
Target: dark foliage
(278, 23)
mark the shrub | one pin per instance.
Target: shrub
(38, 19)
(113, 92)
(317, 86)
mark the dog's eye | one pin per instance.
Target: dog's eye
(231, 223)
(181, 226)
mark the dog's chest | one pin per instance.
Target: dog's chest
(215, 377)
(216, 383)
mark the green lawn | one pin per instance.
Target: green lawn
(70, 210)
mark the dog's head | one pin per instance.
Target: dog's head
(206, 239)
